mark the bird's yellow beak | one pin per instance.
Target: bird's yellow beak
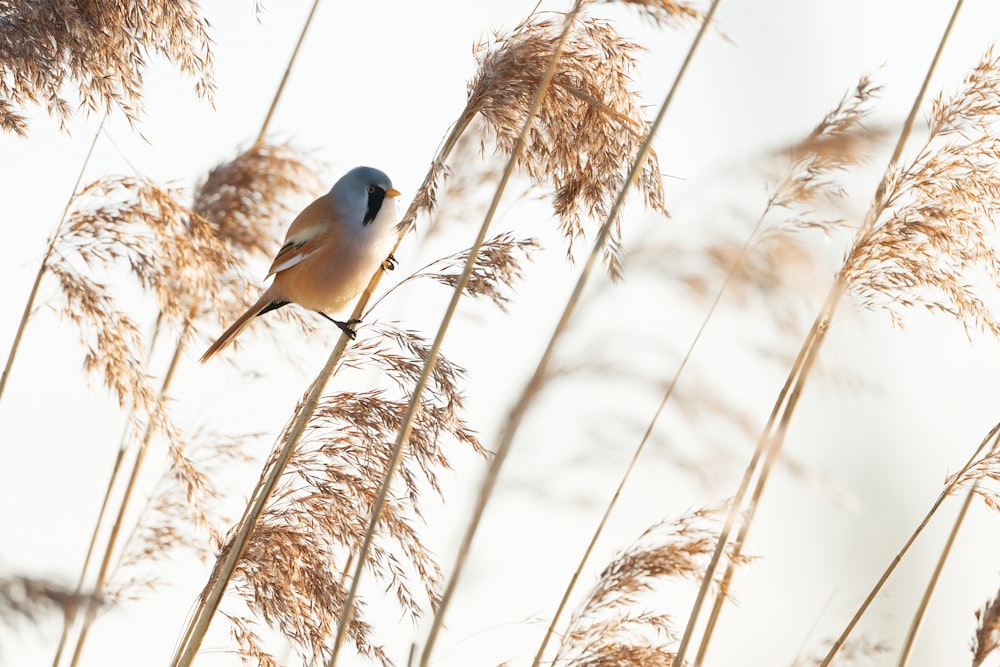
(392, 192)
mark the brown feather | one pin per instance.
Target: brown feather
(270, 296)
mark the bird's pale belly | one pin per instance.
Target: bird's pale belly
(328, 288)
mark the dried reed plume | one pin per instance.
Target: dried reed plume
(860, 651)
(923, 242)
(136, 225)
(930, 238)
(180, 512)
(290, 575)
(498, 265)
(30, 599)
(839, 142)
(772, 259)
(248, 198)
(100, 48)
(588, 128)
(981, 474)
(661, 12)
(246, 202)
(188, 263)
(610, 628)
(147, 229)
(987, 638)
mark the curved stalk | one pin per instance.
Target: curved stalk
(288, 71)
(539, 654)
(102, 573)
(994, 438)
(918, 616)
(211, 596)
(43, 267)
(772, 443)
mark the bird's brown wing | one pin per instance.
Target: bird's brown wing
(303, 237)
(291, 254)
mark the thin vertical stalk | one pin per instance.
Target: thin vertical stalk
(417, 392)
(116, 468)
(516, 414)
(288, 71)
(918, 616)
(140, 455)
(647, 434)
(102, 573)
(70, 615)
(748, 475)
(222, 573)
(43, 267)
(992, 440)
(773, 442)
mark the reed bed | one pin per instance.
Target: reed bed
(538, 243)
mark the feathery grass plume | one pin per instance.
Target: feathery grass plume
(176, 515)
(289, 575)
(191, 265)
(772, 260)
(113, 343)
(765, 269)
(134, 224)
(138, 224)
(30, 598)
(249, 644)
(589, 101)
(247, 202)
(662, 12)
(980, 475)
(498, 266)
(841, 141)
(609, 628)
(860, 651)
(930, 240)
(102, 48)
(987, 638)
(469, 177)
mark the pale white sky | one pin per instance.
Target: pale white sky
(379, 83)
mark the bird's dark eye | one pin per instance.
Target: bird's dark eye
(370, 189)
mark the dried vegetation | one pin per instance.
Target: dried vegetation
(928, 240)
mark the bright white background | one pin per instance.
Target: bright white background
(379, 83)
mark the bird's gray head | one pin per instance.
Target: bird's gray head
(360, 194)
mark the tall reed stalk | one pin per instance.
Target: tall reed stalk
(225, 567)
(925, 599)
(140, 455)
(772, 437)
(989, 446)
(29, 305)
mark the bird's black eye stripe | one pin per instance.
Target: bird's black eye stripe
(375, 197)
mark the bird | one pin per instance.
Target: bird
(330, 252)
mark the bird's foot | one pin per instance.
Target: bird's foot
(347, 327)
(390, 263)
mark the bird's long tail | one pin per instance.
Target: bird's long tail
(266, 302)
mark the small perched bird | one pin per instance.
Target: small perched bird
(330, 251)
